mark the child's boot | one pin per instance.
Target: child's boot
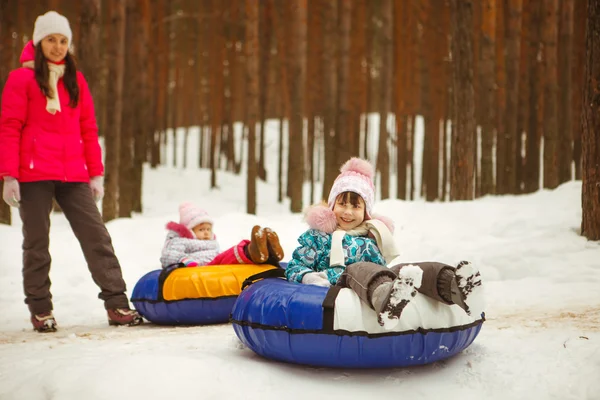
(257, 249)
(466, 289)
(390, 298)
(43, 322)
(273, 244)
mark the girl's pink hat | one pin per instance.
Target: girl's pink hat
(356, 176)
(191, 216)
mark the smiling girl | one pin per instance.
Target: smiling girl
(351, 247)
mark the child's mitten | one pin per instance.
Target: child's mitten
(188, 262)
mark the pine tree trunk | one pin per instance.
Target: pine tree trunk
(383, 157)
(298, 71)
(252, 93)
(550, 38)
(513, 59)
(580, 16)
(524, 83)
(501, 179)
(536, 100)
(329, 75)
(462, 166)
(128, 122)
(401, 67)
(144, 123)
(487, 67)
(116, 57)
(590, 225)
(88, 47)
(342, 138)
(565, 110)
(265, 50)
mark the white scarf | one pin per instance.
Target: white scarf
(53, 102)
(383, 236)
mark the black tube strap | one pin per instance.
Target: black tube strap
(329, 308)
(271, 273)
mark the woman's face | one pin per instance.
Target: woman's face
(55, 47)
(348, 215)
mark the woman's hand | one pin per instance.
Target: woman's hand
(11, 193)
(316, 278)
(97, 186)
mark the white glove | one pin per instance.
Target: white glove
(11, 192)
(97, 186)
(316, 278)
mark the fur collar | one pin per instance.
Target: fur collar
(180, 229)
(322, 218)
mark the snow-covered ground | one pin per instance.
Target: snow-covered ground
(541, 339)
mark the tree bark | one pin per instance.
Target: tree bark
(296, 128)
(383, 157)
(580, 16)
(590, 196)
(550, 37)
(462, 166)
(116, 56)
(487, 67)
(565, 109)
(252, 48)
(513, 59)
(536, 101)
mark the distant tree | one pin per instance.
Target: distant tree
(116, 57)
(296, 127)
(513, 60)
(531, 174)
(252, 93)
(590, 225)
(550, 38)
(565, 96)
(486, 71)
(462, 165)
(385, 97)
(580, 17)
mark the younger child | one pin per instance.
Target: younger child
(349, 246)
(191, 242)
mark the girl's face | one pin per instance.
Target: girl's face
(349, 210)
(203, 231)
(55, 47)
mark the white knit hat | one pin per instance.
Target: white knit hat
(356, 176)
(49, 23)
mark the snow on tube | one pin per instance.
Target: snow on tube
(332, 327)
(192, 296)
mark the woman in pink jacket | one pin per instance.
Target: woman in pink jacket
(49, 149)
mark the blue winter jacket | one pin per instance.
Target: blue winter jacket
(315, 247)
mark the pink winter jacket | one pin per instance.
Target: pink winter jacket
(36, 145)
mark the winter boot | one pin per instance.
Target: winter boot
(44, 322)
(123, 316)
(466, 289)
(390, 298)
(257, 249)
(273, 244)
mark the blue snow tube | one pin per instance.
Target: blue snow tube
(298, 323)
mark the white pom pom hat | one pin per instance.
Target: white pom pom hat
(357, 177)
